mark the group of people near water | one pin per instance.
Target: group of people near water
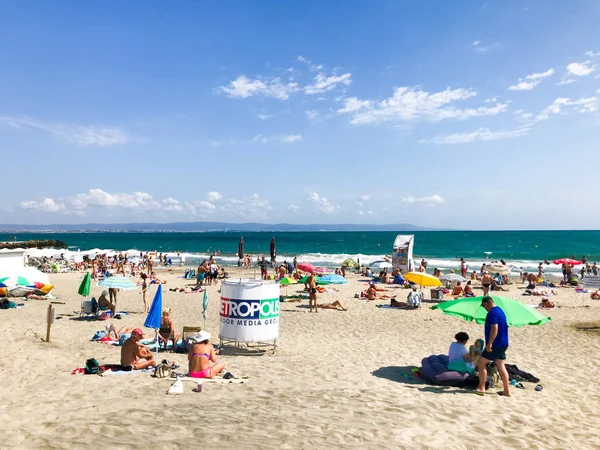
(123, 264)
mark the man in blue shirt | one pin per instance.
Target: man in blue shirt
(496, 343)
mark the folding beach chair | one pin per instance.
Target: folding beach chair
(86, 308)
(187, 333)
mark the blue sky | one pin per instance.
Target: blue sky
(474, 114)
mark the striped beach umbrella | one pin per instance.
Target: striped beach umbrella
(118, 282)
(15, 280)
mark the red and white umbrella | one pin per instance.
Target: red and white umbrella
(569, 261)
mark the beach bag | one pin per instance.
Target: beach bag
(94, 305)
(92, 367)
(163, 371)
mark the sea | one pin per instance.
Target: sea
(522, 250)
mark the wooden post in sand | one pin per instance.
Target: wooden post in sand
(49, 321)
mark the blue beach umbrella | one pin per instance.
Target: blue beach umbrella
(333, 278)
(154, 318)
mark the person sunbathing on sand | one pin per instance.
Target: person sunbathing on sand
(187, 290)
(337, 305)
(596, 295)
(497, 287)
(202, 357)
(546, 304)
(468, 291)
(457, 291)
(112, 331)
(103, 302)
(134, 355)
(371, 292)
(544, 292)
(396, 304)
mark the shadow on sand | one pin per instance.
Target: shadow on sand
(401, 374)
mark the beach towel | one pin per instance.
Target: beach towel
(110, 369)
(215, 380)
(435, 371)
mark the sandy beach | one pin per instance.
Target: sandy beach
(336, 380)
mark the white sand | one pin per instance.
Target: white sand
(335, 381)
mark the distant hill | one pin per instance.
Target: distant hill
(186, 227)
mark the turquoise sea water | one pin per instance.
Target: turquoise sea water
(440, 248)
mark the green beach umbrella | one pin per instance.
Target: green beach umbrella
(517, 314)
(84, 287)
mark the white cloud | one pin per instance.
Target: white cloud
(264, 116)
(99, 198)
(171, 204)
(531, 81)
(322, 205)
(323, 83)
(564, 105)
(353, 104)
(408, 103)
(431, 200)
(81, 135)
(480, 47)
(200, 208)
(278, 139)
(293, 208)
(591, 54)
(213, 196)
(46, 205)
(482, 134)
(365, 213)
(365, 198)
(581, 69)
(566, 81)
(312, 114)
(252, 207)
(243, 87)
(215, 143)
(291, 139)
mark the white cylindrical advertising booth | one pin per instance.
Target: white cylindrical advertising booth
(249, 311)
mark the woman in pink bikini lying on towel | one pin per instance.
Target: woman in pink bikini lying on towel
(202, 357)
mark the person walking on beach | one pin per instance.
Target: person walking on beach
(145, 292)
(496, 343)
(150, 265)
(312, 292)
(463, 268)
